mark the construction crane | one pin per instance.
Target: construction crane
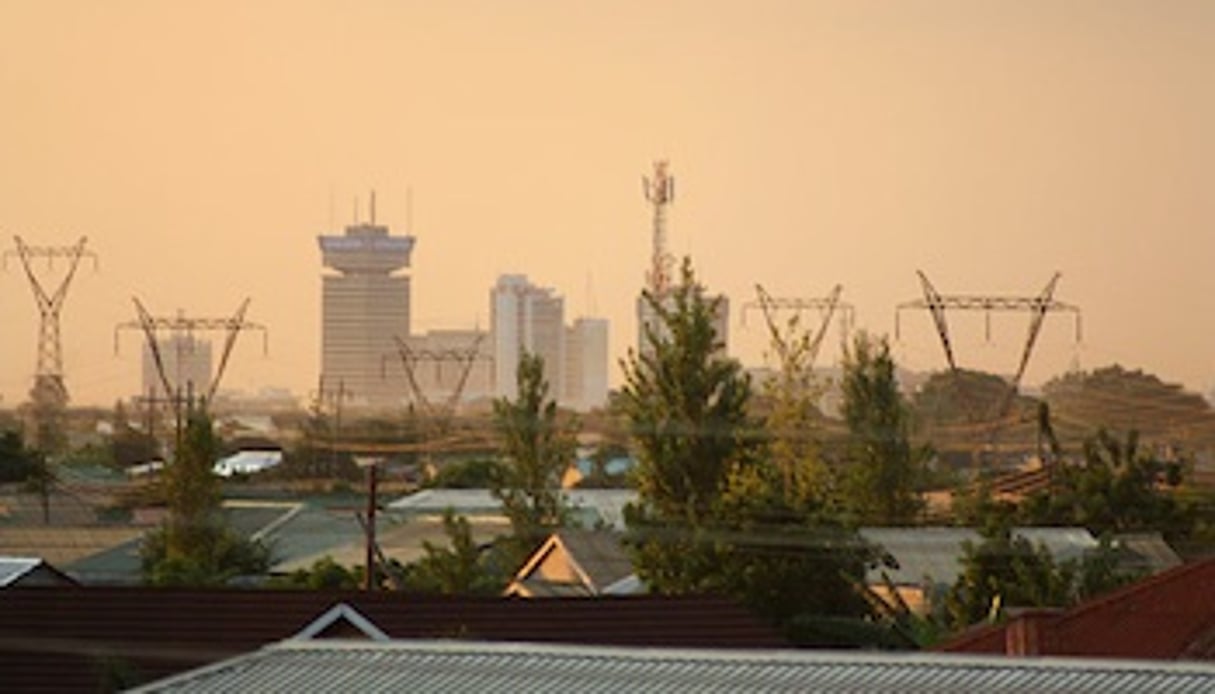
(49, 393)
(660, 192)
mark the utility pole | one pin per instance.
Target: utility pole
(335, 400)
(49, 394)
(371, 548)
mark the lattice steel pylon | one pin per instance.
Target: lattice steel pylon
(810, 344)
(49, 393)
(153, 326)
(1037, 306)
(463, 357)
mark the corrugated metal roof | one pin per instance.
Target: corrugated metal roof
(464, 667)
(607, 504)
(52, 637)
(936, 552)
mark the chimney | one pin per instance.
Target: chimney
(1029, 633)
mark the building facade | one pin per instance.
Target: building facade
(365, 303)
(186, 359)
(586, 364)
(529, 319)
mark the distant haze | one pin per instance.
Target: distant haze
(202, 146)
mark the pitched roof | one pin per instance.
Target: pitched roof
(596, 559)
(60, 635)
(936, 553)
(476, 667)
(27, 571)
(1167, 616)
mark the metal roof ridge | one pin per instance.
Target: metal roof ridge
(770, 656)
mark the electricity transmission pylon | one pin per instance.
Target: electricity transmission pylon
(808, 344)
(49, 394)
(154, 327)
(462, 358)
(1037, 306)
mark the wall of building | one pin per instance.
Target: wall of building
(365, 305)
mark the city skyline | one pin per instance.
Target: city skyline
(203, 149)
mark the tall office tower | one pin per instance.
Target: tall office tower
(586, 364)
(526, 318)
(364, 305)
(187, 363)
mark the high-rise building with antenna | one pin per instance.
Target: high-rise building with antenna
(364, 305)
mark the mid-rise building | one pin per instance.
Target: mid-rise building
(586, 364)
(186, 359)
(529, 319)
(364, 306)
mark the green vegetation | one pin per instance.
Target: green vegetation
(193, 546)
(881, 481)
(537, 446)
(478, 473)
(461, 568)
(715, 515)
(1118, 487)
(1006, 570)
(29, 467)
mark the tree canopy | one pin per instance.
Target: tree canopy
(537, 446)
(880, 481)
(716, 514)
(194, 546)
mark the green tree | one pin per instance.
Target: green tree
(687, 405)
(715, 515)
(461, 568)
(41, 481)
(194, 546)
(477, 473)
(16, 460)
(537, 446)
(30, 467)
(1119, 487)
(324, 574)
(792, 418)
(1005, 569)
(883, 471)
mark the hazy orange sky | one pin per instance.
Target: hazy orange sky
(202, 146)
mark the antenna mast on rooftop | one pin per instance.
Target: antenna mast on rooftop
(660, 192)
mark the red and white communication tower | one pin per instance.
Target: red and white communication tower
(660, 192)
